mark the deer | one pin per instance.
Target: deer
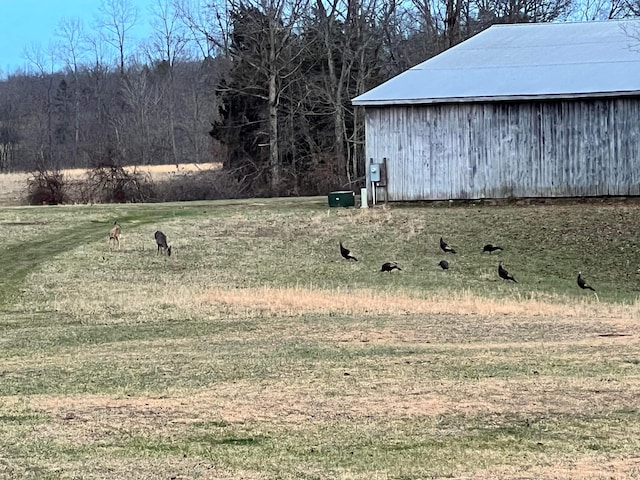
(161, 241)
(114, 235)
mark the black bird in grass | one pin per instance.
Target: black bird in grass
(389, 266)
(444, 265)
(582, 284)
(445, 247)
(490, 248)
(504, 274)
(346, 253)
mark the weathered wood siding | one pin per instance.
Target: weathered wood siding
(508, 149)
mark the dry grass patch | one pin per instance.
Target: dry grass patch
(300, 301)
(296, 405)
(600, 467)
(315, 421)
(568, 468)
(13, 186)
(157, 172)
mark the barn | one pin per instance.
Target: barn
(524, 110)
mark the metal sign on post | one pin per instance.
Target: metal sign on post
(374, 172)
(374, 177)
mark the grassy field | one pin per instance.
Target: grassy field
(257, 352)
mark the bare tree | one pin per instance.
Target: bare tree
(282, 17)
(169, 42)
(590, 10)
(44, 62)
(9, 138)
(116, 20)
(520, 11)
(210, 27)
(264, 46)
(142, 99)
(351, 35)
(72, 43)
(71, 47)
(196, 106)
(170, 38)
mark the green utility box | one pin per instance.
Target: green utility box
(343, 198)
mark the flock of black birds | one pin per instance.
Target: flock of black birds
(386, 267)
(444, 265)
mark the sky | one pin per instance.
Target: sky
(26, 23)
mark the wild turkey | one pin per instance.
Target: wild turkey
(444, 265)
(582, 284)
(346, 253)
(491, 248)
(445, 247)
(389, 266)
(504, 274)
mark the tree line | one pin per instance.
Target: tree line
(262, 86)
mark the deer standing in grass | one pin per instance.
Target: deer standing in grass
(114, 235)
(161, 241)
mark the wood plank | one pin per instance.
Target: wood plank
(479, 150)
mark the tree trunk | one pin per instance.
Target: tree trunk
(335, 93)
(274, 160)
(338, 128)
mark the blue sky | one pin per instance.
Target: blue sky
(34, 22)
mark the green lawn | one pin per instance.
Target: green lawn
(257, 352)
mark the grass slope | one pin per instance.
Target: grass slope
(58, 233)
(256, 351)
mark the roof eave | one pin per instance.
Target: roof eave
(496, 98)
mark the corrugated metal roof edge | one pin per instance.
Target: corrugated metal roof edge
(498, 98)
(618, 21)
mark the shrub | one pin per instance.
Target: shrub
(46, 187)
(203, 185)
(110, 183)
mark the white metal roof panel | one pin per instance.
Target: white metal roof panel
(524, 61)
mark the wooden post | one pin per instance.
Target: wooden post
(385, 180)
(373, 184)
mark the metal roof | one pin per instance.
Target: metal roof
(524, 61)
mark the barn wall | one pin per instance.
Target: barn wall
(500, 150)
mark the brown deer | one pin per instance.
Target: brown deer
(114, 235)
(161, 241)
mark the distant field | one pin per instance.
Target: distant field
(13, 185)
(257, 352)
